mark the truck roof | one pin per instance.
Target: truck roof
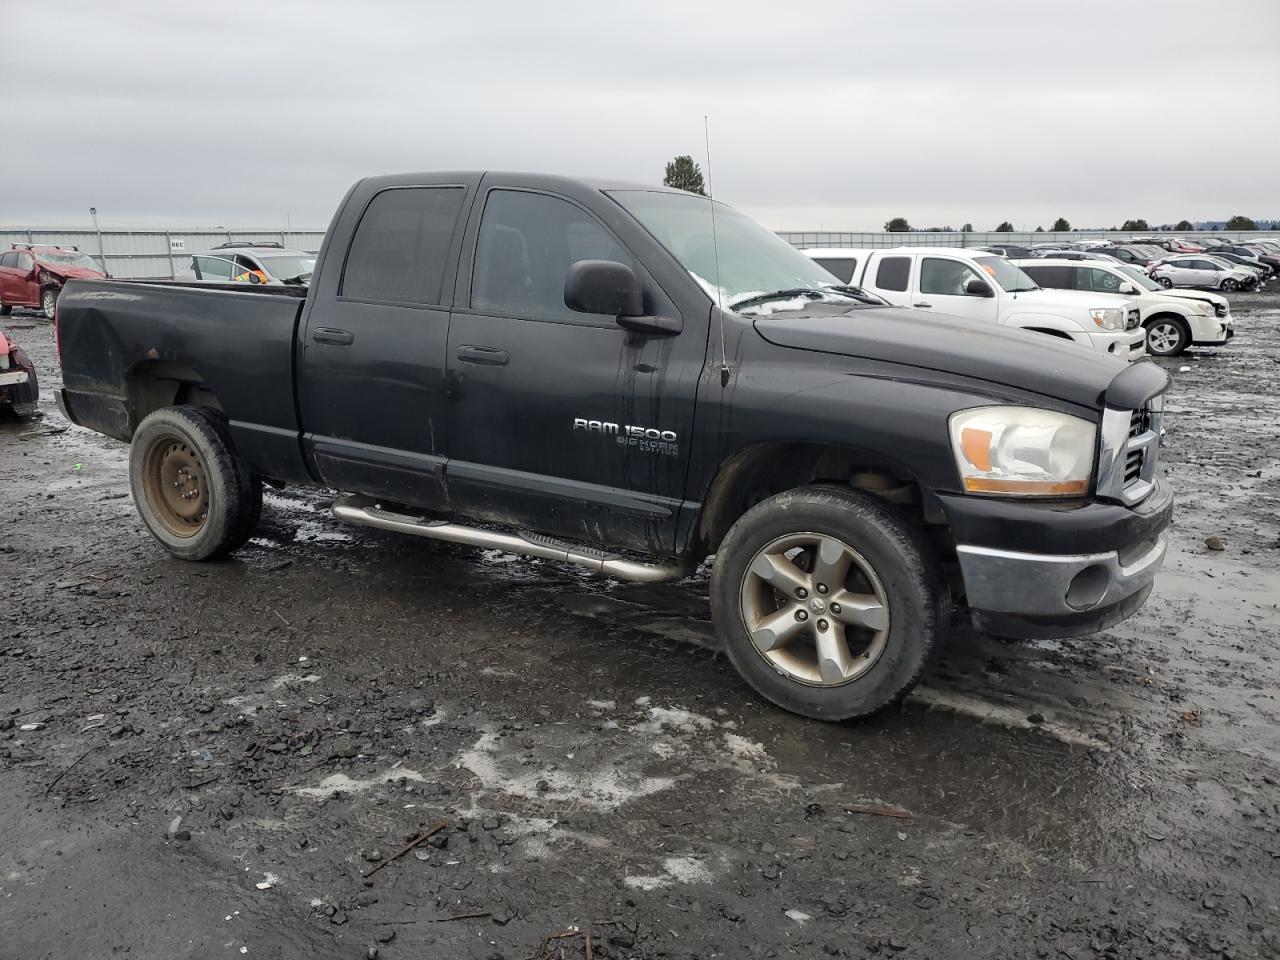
(515, 177)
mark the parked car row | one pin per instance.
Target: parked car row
(1101, 302)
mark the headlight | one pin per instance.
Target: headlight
(1023, 452)
(1108, 318)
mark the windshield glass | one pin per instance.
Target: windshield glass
(285, 267)
(1009, 277)
(752, 261)
(68, 258)
(1138, 277)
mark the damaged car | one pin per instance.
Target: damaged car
(33, 275)
(19, 390)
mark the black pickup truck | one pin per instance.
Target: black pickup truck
(632, 379)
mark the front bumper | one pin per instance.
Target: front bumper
(1125, 344)
(1077, 571)
(1213, 332)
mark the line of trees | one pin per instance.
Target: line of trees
(1063, 225)
(684, 173)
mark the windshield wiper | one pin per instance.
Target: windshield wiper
(300, 280)
(776, 295)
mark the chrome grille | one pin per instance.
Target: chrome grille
(1129, 451)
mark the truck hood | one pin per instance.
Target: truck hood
(1075, 300)
(1016, 358)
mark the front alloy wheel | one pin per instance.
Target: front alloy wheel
(1164, 282)
(829, 600)
(49, 302)
(1166, 338)
(1230, 285)
(815, 608)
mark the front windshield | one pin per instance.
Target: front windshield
(1010, 278)
(1138, 277)
(751, 262)
(286, 267)
(69, 258)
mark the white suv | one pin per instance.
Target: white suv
(1173, 319)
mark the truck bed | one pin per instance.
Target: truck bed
(121, 342)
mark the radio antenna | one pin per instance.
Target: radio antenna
(715, 247)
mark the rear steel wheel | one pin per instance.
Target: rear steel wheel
(815, 608)
(176, 486)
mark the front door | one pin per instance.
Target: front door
(942, 289)
(561, 421)
(371, 374)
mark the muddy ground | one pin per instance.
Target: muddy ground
(221, 752)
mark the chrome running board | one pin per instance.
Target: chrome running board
(366, 512)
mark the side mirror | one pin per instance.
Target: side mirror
(254, 278)
(605, 287)
(977, 287)
(1127, 287)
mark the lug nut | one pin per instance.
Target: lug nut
(801, 592)
(822, 624)
(822, 588)
(835, 608)
(801, 616)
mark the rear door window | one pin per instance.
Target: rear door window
(399, 249)
(1053, 277)
(892, 273)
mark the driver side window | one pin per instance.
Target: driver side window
(527, 243)
(945, 277)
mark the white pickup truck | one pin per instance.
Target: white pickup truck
(986, 287)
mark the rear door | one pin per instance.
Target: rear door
(890, 276)
(371, 382)
(562, 421)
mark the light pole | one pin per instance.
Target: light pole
(102, 257)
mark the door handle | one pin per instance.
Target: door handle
(922, 304)
(489, 356)
(332, 335)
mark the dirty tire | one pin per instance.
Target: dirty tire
(49, 302)
(906, 570)
(230, 497)
(1167, 336)
(1230, 285)
(5, 309)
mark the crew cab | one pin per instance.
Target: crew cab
(602, 374)
(32, 275)
(1174, 319)
(989, 289)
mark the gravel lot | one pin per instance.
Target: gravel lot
(208, 760)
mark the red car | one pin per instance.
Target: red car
(18, 386)
(32, 275)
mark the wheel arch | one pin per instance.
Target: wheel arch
(761, 470)
(152, 384)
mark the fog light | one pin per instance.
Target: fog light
(1088, 587)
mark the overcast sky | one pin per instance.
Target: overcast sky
(824, 115)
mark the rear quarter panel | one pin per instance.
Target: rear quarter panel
(239, 345)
